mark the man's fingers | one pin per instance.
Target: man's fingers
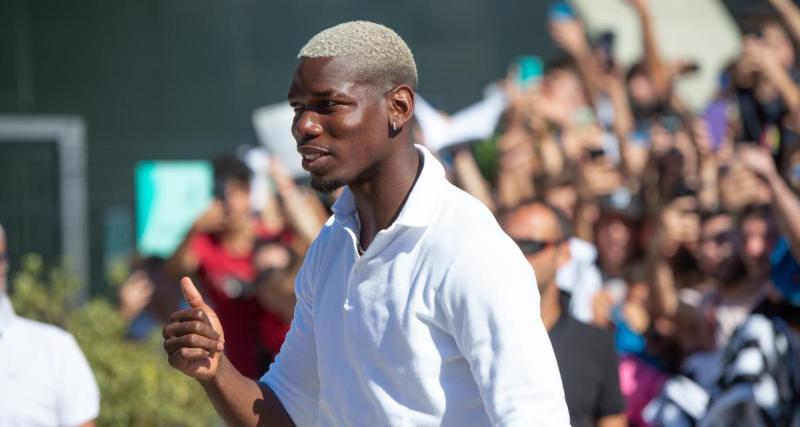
(184, 354)
(177, 329)
(188, 315)
(191, 293)
(192, 342)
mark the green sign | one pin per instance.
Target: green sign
(170, 195)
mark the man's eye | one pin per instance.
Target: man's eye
(297, 108)
(328, 103)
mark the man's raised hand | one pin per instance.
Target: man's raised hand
(194, 339)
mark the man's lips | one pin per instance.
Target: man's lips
(312, 156)
(311, 152)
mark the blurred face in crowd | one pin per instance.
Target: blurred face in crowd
(340, 122)
(536, 230)
(719, 256)
(758, 239)
(641, 90)
(614, 236)
(236, 202)
(564, 87)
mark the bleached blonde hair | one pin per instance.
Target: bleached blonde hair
(381, 53)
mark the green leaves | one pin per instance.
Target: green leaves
(137, 385)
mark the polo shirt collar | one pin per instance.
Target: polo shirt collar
(423, 202)
(7, 314)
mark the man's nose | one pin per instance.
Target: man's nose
(306, 126)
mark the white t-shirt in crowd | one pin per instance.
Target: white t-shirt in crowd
(437, 324)
(581, 278)
(44, 377)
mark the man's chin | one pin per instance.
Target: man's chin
(326, 185)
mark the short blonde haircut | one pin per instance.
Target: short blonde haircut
(382, 53)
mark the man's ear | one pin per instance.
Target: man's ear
(401, 106)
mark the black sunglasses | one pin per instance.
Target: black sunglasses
(530, 247)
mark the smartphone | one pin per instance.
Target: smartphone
(529, 70)
(605, 46)
(560, 11)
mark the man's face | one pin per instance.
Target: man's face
(718, 241)
(236, 202)
(536, 227)
(564, 87)
(340, 122)
(614, 239)
(759, 238)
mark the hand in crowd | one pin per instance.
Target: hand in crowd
(760, 57)
(134, 294)
(757, 160)
(194, 339)
(568, 34)
(640, 5)
(740, 187)
(681, 224)
(212, 220)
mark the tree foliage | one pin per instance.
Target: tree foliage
(137, 385)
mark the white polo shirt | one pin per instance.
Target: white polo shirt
(44, 377)
(437, 324)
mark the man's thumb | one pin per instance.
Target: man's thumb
(191, 293)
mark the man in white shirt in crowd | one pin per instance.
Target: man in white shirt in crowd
(413, 307)
(44, 377)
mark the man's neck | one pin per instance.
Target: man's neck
(551, 305)
(379, 201)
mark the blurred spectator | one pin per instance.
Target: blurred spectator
(585, 354)
(44, 377)
(687, 226)
(276, 267)
(147, 297)
(218, 248)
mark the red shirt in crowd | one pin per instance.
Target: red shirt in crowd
(227, 280)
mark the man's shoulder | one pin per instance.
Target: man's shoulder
(466, 215)
(44, 333)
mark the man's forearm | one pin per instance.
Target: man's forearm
(791, 16)
(241, 401)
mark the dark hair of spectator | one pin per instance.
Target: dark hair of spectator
(230, 168)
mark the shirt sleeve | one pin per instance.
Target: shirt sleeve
(293, 376)
(78, 398)
(492, 304)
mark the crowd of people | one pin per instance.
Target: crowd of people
(664, 241)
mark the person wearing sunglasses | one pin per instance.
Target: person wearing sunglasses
(585, 354)
(44, 377)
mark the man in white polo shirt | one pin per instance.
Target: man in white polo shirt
(44, 378)
(413, 307)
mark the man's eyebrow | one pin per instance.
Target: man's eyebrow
(328, 93)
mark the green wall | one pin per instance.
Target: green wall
(174, 79)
